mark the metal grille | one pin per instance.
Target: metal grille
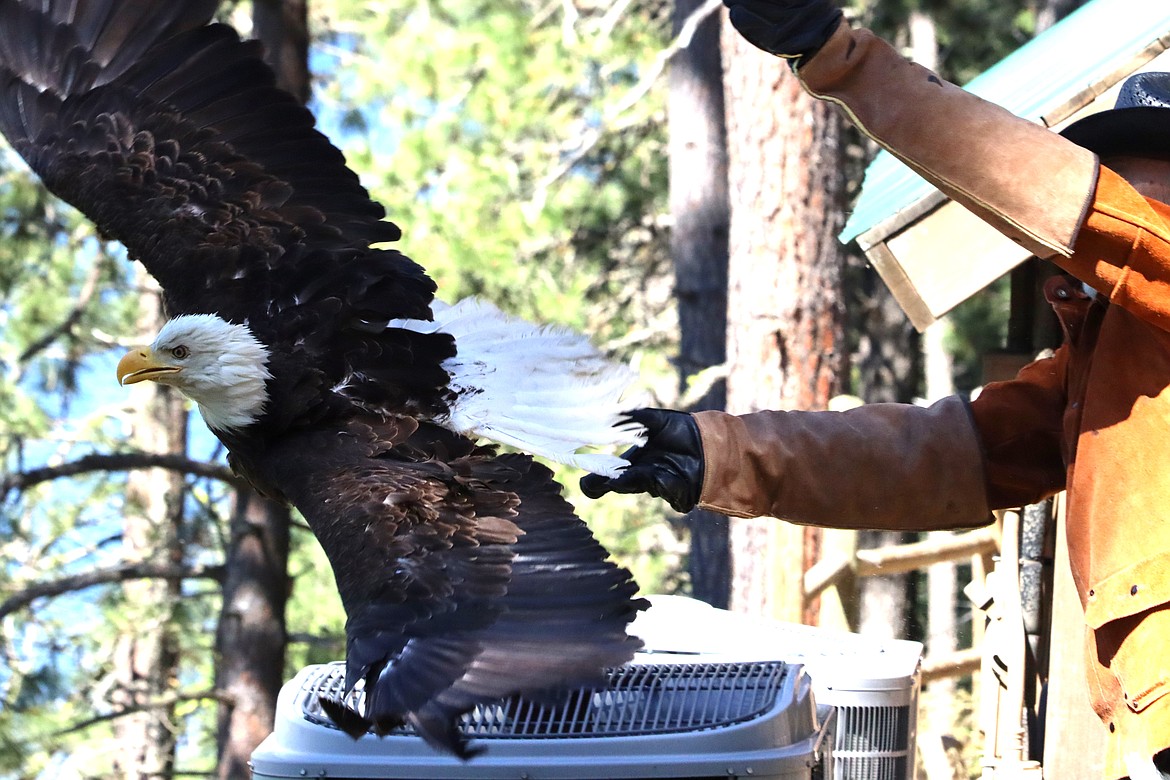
(640, 699)
(873, 743)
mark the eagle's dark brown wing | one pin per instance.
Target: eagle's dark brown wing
(466, 576)
(170, 135)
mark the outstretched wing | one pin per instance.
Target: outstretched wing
(170, 135)
(466, 576)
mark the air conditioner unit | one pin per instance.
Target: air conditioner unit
(703, 700)
(872, 683)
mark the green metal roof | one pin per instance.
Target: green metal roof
(1077, 52)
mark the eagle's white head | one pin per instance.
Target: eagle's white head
(219, 365)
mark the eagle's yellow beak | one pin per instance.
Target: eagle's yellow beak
(140, 364)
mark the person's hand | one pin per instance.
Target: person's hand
(668, 466)
(792, 29)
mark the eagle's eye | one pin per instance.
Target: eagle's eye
(180, 352)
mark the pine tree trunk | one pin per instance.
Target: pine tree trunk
(700, 211)
(888, 369)
(250, 639)
(1049, 12)
(785, 331)
(146, 656)
(283, 27)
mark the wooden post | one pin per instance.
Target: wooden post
(1074, 741)
(838, 602)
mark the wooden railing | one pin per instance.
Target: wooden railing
(975, 546)
(900, 558)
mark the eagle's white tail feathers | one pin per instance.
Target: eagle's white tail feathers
(542, 389)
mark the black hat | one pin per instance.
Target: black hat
(1138, 125)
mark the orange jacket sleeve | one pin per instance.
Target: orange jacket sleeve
(1020, 423)
(1121, 250)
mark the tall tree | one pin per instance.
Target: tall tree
(700, 212)
(785, 313)
(250, 636)
(146, 652)
(1049, 12)
(283, 27)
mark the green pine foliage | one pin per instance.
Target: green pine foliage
(495, 134)
(56, 313)
(972, 34)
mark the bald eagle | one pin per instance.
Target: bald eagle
(326, 366)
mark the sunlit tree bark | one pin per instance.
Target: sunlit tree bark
(785, 316)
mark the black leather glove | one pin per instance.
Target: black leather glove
(792, 29)
(668, 466)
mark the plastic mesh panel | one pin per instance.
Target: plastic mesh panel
(873, 743)
(640, 699)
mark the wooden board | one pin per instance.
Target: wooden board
(942, 260)
(1074, 743)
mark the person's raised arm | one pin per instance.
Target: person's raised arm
(1025, 180)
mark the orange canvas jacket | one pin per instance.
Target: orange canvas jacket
(1094, 418)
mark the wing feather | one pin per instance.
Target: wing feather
(169, 134)
(494, 586)
(66, 47)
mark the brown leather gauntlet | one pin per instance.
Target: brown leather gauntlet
(888, 466)
(1026, 181)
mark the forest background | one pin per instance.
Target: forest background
(629, 168)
